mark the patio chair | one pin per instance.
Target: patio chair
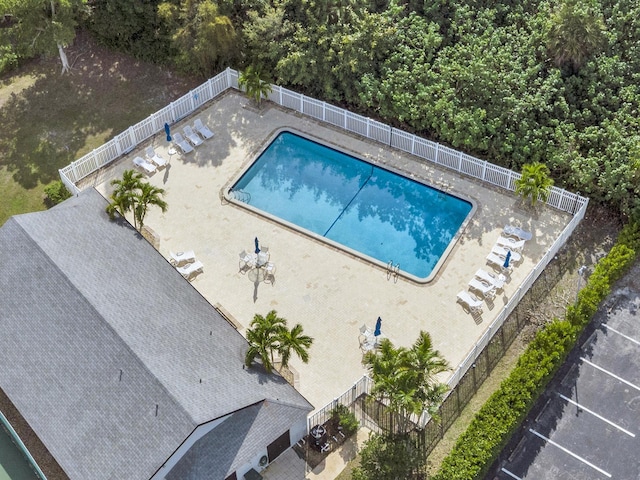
(511, 243)
(495, 280)
(144, 165)
(190, 269)
(497, 261)
(246, 261)
(263, 258)
(517, 232)
(473, 304)
(502, 252)
(154, 158)
(270, 273)
(191, 136)
(180, 258)
(182, 143)
(487, 290)
(202, 129)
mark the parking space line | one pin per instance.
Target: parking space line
(581, 407)
(626, 382)
(510, 474)
(574, 455)
(621, 334)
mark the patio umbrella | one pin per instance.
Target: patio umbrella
(377, 331)
(257, 246)
(167, 130)
(506, 259)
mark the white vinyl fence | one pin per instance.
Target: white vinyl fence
(424, 149)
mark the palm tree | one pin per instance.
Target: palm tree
(405, 378)
(534, 183)
(123, 195)
(253, 83)
(573, 34)
(294, 341)
(263, 336)
(147, 195)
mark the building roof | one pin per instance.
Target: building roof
(113, 358)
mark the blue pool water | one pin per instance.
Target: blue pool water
(366, 208)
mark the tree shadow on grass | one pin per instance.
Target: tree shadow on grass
(57, 119)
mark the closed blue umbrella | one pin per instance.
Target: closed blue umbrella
(506, 259)
(378, 331)
(167, 130)
(257, 246)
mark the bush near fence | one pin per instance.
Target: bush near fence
(491, 429)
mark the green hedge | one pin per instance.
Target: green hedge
(502, 414)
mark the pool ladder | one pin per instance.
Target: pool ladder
(393, 270)
(240, 195)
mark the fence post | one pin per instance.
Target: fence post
(132, 135)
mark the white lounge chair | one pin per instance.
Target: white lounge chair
(502, 252)
(180, 258)
(154, 158)
(143, 164)
(191, 136)
(473, 304)
(202, 129)
(487, 290)
(188, 270)
(495, 280)
(511, 243)
(182, 143)
(497, 261)
(517, 232)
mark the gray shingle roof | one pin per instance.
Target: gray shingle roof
(244, 428)
(98, 329)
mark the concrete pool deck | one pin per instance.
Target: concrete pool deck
(331, 293)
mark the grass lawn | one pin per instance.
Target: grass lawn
(48, 120)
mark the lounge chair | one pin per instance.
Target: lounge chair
(511, 243)
(495, 280)
(486, 289)
(502, 252)
(202, 129)
(143, 164)
(154, 158)
(182, 143)
(191, 136)
(473, 304)
(181, 258)
(517, 232)
(188, 270)
(497, 261)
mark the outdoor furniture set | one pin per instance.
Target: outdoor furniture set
(186, 263)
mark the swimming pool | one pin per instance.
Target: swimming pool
(13, 464)
(356, 205)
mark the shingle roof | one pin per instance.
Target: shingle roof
(98, 330)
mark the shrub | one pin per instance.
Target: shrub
(346, 419)
(56, 193)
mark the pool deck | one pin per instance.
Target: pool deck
(331, 293)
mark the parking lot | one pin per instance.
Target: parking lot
(587, 424)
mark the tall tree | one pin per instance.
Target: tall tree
(269, 334)
(131, 194)
(575, 32)
(534, 183)
(42, 26)
(263, 336)
(294, 341)
(406, 378)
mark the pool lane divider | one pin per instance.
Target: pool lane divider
(350, 201)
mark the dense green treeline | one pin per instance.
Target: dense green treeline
(514, 82)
